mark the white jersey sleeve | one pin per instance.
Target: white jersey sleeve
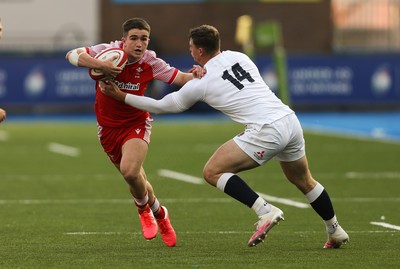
(232, 85)
(174, 102)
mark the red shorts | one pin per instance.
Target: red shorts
(112, 139)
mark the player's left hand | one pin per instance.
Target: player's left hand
(109, 88)
(197, 71)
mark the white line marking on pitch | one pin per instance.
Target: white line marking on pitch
(92, 233)
(139, 233)
(208, 232)
(109, 201)
(180, 176)
(283, 201)
(386, 225)
(376, 175)
(63, 149)
(197, 180)
(65, 202)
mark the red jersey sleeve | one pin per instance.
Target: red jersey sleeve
(161, 70)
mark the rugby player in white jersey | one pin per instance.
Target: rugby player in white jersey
(233, 85)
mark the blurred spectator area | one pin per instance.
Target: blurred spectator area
(306, 25)
(366, 25)
(318, 26)
(48, 25)
(342, 54)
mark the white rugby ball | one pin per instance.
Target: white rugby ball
(106, 54)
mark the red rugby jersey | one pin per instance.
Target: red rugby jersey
(134, 79)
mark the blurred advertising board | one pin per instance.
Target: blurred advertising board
(33, 80)
(339, 79)
(334, 80)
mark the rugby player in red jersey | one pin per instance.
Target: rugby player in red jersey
(124, 131)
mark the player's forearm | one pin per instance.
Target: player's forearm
(182, 78)
(79, 57)
(88, 61)
(163, 106)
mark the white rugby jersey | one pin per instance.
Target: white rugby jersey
(232, 85)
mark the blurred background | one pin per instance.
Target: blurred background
(318, 55)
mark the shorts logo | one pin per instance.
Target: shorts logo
(138, 131)
(259, 154)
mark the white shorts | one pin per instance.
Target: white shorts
(282, 140)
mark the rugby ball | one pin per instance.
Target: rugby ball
(106, 54)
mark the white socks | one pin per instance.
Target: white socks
(331, 225)
(261, 207)
(141, 203)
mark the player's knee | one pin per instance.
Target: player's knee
(305, 183)
(130, 176)
(210, 175)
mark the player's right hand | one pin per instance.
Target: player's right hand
(197, 71)
(109, 69)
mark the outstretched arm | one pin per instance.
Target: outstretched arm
(195, 72)
(168, 104)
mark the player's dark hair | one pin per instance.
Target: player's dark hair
(134, 23)
(206, 37)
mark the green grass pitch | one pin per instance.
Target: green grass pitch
(71, 209)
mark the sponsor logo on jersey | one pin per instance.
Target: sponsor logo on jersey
(128, 86)
(138, 131)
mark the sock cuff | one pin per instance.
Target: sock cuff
(315, 193)
(156, 205)
(221, 183)
(143, 201)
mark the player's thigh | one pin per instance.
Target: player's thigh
(134, 153)
(228, 158)
(294, 146)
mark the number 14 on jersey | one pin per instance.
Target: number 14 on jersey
(239, 75)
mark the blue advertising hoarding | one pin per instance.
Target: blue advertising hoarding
(43, 80)
(345, 79)
(339, 79)
(313, 80)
